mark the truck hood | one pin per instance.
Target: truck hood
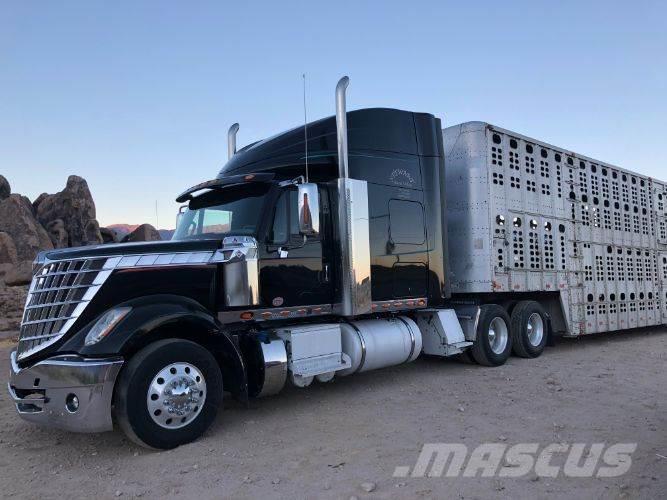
(148, 247)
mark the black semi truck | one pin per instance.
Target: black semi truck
(372, 239)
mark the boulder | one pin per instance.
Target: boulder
(108, 235)
(92, 233)
(58, 233)
(8, 253)
(27, 204)
(17, 220)
(4, 269)
(145, 232)
(39, 200)
(5, 188)
(12, 300)
(74, 205)
(20, 274)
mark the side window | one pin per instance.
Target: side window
(216, 221)
(279, 229)
(406, 222)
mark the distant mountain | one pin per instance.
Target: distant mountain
(122, 230)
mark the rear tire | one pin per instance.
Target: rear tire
(493, 342)
(168, 394)
(529, 329)
(466, 357)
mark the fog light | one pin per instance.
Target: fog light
(72, 403)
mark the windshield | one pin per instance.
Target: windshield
(234, 210)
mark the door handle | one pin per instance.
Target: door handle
(325, 279)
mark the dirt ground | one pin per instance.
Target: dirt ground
(329, 440)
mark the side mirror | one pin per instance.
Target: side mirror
(309, 209)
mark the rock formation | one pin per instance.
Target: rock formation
(28, 235)
(144, 232)
(108, 235)
(58, 233)
(20, 274)
(8, 254)
(60, 220)
(5, 189)
(75, 207)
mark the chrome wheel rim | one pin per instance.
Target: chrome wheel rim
(535, 329)
(176, 395)
(498, 335)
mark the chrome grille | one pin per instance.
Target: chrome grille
(59, 292)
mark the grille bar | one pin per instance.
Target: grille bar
(47, 320)
(49, 304)
(36, 337)
(60, 288)
(64, 273)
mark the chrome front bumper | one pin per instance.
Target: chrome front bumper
(41, 392)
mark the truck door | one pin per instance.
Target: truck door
(295, 270)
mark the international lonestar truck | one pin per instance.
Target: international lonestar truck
(356, 242)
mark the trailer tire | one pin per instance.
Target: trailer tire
(466, 357)
(529, 329)
(168, 394)
(493, 342)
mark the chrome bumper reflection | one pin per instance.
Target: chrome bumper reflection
(41, 392)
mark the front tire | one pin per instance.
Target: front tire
(168, 394)
(529, 329)
(493, 343)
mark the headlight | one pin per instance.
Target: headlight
(105, 324)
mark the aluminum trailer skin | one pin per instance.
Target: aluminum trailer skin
(588, 238)
(329, 250)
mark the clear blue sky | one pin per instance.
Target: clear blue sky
(137, 96)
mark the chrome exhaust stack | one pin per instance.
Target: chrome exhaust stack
(231, 140)
(353, 225)
(341, 127)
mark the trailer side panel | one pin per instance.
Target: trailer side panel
(527, 217)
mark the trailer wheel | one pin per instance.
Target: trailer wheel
(529, 329)
(168, 394)
(493, 342)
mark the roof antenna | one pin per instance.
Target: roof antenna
(305, 122)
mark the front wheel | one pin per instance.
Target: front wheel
(168, 394)
(493, 343)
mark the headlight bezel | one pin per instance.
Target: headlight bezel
(105, 325)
